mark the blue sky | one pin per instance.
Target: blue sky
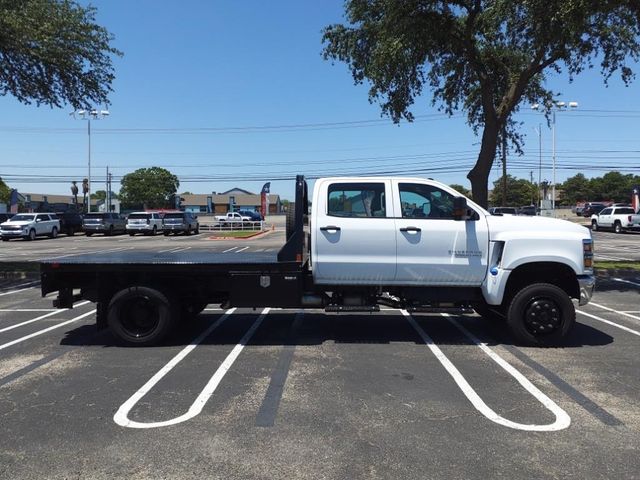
(196, 75)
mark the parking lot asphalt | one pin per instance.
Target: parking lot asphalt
(287, 394)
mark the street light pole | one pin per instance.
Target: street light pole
(555, 107)
(88, 115)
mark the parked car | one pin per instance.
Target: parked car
(528, 210)
(592, 208)
(180, 222)
(578, 210)
(254, 216)
(503, 211)
(147, 223)
(70, 222)
(102, 222)
(233, 217)
(618, 219)
(30, 225)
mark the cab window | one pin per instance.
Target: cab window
(358, 200)
(606, 211)
(425, 201)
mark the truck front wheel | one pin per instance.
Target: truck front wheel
(141, 316)
(541, 315)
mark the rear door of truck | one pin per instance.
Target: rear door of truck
(353, 237)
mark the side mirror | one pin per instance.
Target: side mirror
(460, 209)
(38, 220)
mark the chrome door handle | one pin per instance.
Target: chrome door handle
(329, 228)
(411, 229)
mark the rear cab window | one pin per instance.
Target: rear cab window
(357, 200)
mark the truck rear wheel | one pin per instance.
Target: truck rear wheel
(290, 220)
(541, 315)
(141, 316)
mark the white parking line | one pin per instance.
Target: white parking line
(168, 250)
(562, 420)
(241, 250)
(614, 311)
(11, 292)
(626, 281)
(622, 327)
(182, 249)
(41, 317)
(121, 416)
(229, 249)
(26, 284)
(40, 332)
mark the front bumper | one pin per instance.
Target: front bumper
(587, 284)
(14, 233)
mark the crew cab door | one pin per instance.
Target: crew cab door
(605, 218)
(433, 248)
(353, 233)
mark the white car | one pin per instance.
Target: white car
(30, 225)
(233, 217)
(148, 223)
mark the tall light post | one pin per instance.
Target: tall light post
(88, 115)
(554, 107)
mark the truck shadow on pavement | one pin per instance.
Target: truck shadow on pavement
(280, 329)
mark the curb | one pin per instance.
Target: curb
(259, 234)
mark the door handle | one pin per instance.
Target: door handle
(330, 227)
(411, 229)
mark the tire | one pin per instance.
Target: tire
(141, 316)
(154, 230)
(290, 220)
(187, 232)
(70, 232)
(541, 315)
(54, 232)
(166, 234)
(110, 231)
(131, 234)
(32, 235)
(5, 239)
(617, 228)
(88, 234)
(594, 225)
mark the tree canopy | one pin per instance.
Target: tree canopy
(5, 192)
(519, 192)
(483, 57)
(148, 188)
(52, 52)
(612, 186)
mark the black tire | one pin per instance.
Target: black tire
(617, 227)
(594, 225)
(110, 231)
(88, 234)
(31, 235)
(141, 316)
(166, 233)
(541, 315)
(70, 232)
(154, 230)
(131, 234)
(54, 232)
(290, 220)
(188, 230)
(5, 239)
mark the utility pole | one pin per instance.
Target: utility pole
(532, 184)
(88, 115)
(504, 166)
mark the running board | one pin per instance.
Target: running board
(352, 308)
(451, 310)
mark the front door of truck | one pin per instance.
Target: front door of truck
(433, 248)
(353, 236)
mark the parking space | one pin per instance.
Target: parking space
(288, 394)
(617, 247)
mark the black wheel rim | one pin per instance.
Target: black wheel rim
(139, 317)
(542, 316)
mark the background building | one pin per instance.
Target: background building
(231, 200)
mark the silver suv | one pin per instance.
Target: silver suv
(176, 222)
(107, 223)
(148, 223)
(30, 225)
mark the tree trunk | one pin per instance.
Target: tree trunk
(479, 174)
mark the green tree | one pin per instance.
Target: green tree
(576, 189)
(483, 57)
(52, 52)
(102, 195)
(613, 186)
(459, 188)
(148, 188)
(519, 192)
(5, 192)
